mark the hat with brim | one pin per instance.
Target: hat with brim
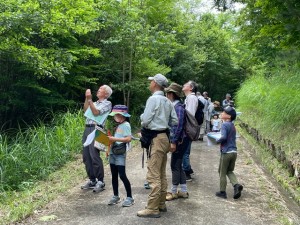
(120, 109)
(175, 88)
(216, 103)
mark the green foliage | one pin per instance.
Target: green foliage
(272, 105)
(208, 56)
(35, 153)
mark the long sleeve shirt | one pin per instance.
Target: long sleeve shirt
(191, 103)
(177, 131)
(159, 113)
(228, 137)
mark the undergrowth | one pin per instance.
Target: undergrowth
(271, 104)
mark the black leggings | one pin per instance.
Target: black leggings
(119, 170)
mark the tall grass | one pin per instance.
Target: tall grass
(32, 155)
(272, 104)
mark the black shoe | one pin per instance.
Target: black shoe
(221, 194)
(163, 209)
(191, 172)
(237, 191)
(200, 139)
(188, 178)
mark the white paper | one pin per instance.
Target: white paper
(89, 139)
(212, 138)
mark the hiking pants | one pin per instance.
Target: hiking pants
(156, 174)
(226, 168)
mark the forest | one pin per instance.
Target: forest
(51, 51)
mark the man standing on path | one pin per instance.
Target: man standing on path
(226, 101)
(191, 105)
(208, 112)
(91, 155)
(203, 125)
(159, 113)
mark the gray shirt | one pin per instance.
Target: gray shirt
(159, 113)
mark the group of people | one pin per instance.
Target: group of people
(163, 121)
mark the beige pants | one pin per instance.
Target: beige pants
(156, 174)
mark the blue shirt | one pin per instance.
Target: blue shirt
(159, 113)
(123, 130)
(228, 137)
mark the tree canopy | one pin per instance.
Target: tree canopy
(51, 51)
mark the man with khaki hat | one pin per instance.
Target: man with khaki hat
(158, 114)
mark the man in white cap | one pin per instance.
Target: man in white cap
(159, 113)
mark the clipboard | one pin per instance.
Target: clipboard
(101, 137)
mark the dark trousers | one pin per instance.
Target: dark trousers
(178, 174)
(186, 156)
(119, 171)
(91, 158)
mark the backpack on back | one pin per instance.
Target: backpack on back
(199, 115)
(191, 127)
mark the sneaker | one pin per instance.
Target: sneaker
(128, 202)
(171, 196)
(114, 200)
(181, 194)
(189, 178)
(237, 191)
(89, 185)
(191, 172)
(221, 194)
(146, 185)
(99, 186)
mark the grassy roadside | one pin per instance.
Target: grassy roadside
(279, 172)
(19, 205)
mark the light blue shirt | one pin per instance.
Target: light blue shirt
(123, 130)
(103, 107)
(159, 113)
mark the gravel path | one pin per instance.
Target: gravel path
(262, 202)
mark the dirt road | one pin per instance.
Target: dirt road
(262, 202)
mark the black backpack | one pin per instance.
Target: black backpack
(199, 115)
